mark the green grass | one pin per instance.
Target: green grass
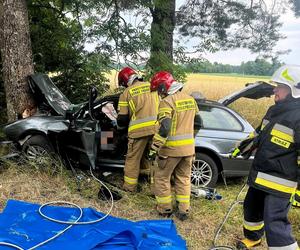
(29, 182)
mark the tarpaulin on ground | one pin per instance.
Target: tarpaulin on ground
(22, 225)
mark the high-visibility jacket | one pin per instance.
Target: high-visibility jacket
(275, 168)
(141, 105)
(181, 108)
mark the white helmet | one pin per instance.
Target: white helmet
(290, 76)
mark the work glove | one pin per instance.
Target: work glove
(235, 152)
(151, 154)
(296, 199)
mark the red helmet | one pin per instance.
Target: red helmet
(124, 75)
(161, 82)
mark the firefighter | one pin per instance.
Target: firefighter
(275, 172)
(173, 145)
(137, 110)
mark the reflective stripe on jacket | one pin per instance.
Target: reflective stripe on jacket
(275, 167)
(142, 107)
(181, 109)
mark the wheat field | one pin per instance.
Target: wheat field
(214, 87)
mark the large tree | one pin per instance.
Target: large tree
(162, 30)
(16, 56)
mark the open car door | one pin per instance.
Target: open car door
(252, 91)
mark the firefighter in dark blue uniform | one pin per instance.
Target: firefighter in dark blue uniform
(274, 177)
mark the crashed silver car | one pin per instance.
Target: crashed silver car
(86, 134)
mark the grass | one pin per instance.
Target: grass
(24, 181)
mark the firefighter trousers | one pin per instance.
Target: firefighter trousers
(264, 212)
(180, 168)
(135, 160)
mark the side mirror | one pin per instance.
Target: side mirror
(92, 98)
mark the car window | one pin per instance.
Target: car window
(218, 118)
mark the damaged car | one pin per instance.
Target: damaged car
(86, 134)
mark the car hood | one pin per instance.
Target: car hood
(255, 90)
(46, 91)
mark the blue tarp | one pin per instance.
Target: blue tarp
(22, 225)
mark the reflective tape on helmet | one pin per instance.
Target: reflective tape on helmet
(130, 181)
(183, 198)
(253, 226)
(285, 75)
(164, 199)
(276, 183)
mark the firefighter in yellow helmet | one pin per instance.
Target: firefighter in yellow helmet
(137, 110)
(173, 145)
(275, 173)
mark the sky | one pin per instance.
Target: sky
(290, 28)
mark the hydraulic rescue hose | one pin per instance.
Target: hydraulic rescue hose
(70, 223)
(235, 202)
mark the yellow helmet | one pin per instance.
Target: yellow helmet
(288, 75)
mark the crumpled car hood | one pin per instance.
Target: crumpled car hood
(46, 91)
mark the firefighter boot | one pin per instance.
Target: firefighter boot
(182, 216)
(166, 213)
(247, 244)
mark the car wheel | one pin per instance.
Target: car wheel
(204, 171)
(37, 146)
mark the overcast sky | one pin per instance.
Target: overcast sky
(290, 28)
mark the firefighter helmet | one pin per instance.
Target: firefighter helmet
(288, 75)
(126, 77)
(161, 82)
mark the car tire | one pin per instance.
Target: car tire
(204, 171)
(37, 146)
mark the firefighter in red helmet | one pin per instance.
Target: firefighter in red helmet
(137, 110)
(173, 145)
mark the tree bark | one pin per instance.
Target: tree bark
(16, 54)
(162, 29)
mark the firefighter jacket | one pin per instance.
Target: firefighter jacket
(141, 106)
(275, 168)
(180, 110)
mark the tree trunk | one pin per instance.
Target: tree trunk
(16, 54)
(162, 29)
